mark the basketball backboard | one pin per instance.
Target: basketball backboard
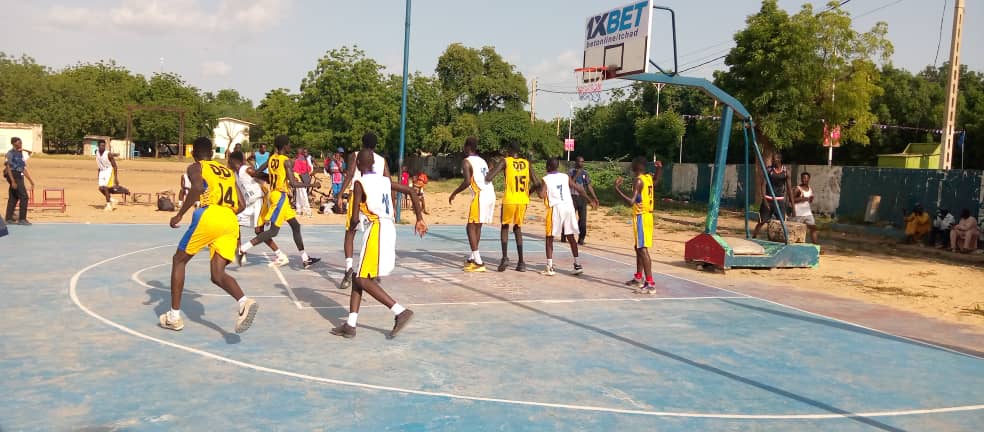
(619, 39)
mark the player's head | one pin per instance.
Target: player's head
(805, 178)
(102, 145)
(965, 213)
(16, 143)
(471, 145)
(236, 160)
(579, 162)
(364, 160)
(512, 149)
(262, 148)
(639, 165)
(777, 159)
(369, 141)
(553, 164)
(202, 149)
(282, 143)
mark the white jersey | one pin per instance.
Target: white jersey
(102, 160)
(251, 190)
(378, 204)
(480, 169)
(558, 190)
(803, 208)
(378, 166)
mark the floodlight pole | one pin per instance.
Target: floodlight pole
(403, 104)
(570, 127)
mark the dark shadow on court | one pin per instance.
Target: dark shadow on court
(190, 308)
(846, 327)
(681, 359)
(330, 308)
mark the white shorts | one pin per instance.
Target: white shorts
(808, 219)
(378, 255)
(106, 178)
(561, 221)
(482, 208)
(250, 217)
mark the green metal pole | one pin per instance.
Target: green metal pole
(768, 186)
(717, 181)
(403, 104)
(748, 124)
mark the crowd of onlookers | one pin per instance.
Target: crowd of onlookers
(959, 234)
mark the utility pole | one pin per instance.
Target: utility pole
(949, 122)
(533, 101)
(659, 89)
(403, 102)
(570, 127)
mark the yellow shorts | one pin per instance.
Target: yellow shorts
(642, 230)
(378, 255)
(348, 212)
(278, 209)
(214, 226)
(513, 214)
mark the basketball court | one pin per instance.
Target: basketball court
(510, 351)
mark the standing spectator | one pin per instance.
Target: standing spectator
(802, 212)
(418, 186)
(773, 202)
(941, 228)
(335, 167)
(404, 176)
(261, 157)
(237, 147)
(917, 225)
(302, 171)
(964, 235)
(15, 170)
(582, 179)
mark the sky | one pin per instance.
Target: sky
(258, 45)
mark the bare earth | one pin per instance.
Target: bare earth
(929, 287)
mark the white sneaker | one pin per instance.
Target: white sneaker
(247, 312)
(176, 325)
(280, 261)
(549, 271)
(109, 207)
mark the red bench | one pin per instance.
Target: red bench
(52, 198)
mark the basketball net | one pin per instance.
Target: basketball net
(589, 81)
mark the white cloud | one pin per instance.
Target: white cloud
(176, 15)
(215, 69)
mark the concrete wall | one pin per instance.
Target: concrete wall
(844, 191)
(31, 135)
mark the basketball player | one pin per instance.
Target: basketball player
(483, 201)
(520, 180)
(254, 201)
(561, 214)
(278, 209)
(213, 225)
(371, 195)
(379, 165)
(643, 203)
(108, 174)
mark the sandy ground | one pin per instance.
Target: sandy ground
(874, 272)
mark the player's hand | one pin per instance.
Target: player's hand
(421, 228)
(451, 199)
(175, 221)
(618, 181)
(595, 205)
(659, 164)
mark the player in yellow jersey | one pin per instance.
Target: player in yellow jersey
(214, 224)
(520, 180)
(643, 201)
(278, 210)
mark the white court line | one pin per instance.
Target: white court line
(543, 301)
(136, 278)
(73, 294)
(280, 275)
(915, 341)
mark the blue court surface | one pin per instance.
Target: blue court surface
(81, 348)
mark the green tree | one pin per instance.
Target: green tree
(479, 80)
(660, 136)
(278, 114)
(169, 90)
(497, 128)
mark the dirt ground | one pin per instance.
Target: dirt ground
(932, 285)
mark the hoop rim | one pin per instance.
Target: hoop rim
(591, 69)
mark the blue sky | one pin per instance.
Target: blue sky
(258, 45)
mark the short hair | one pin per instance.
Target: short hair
(101, 142)
(553, 164)
(579, 158)
(281, 141)
(365, 157)
(640, 162)
(471, 143)
(202, 145)
(804, 173)
(369, 141)
(965, 213)
(236, 156)
(14, 140)
(514, 147)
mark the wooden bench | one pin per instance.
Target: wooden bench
(51, 198)
(141, 198)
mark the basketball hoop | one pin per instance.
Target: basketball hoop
(589, 82)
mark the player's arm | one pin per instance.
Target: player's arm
(543, 190)
(197, 187)
(466, 169)
(240, 204)
(576, 187)
(27, 175)
(499, 167)
(618, 189)
(386, 168)
(349, 173)
(357, 198)
(116, 170)
(420, 226)
(293, 178)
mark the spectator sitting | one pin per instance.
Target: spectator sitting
(941, 229)
(964, 235)
(917, 225)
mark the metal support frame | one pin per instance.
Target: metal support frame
(720, 161)
(181, 123)
(676, 67)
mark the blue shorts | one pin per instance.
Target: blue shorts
(336, 188)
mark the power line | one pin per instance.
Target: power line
(939, 41)
(878, 9)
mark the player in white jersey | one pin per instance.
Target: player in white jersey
(253, 200)
(108, 173)
(561, 215)
(372, 194)
(379, 166)
(482, 205)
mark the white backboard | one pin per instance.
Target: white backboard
(619, 38)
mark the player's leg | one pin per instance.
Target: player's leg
(518, 234)
(222, 252)
(572, 240)
(637, 281)
(765, 215)
(504, 240)
(295, 228)
(194, 239)
(276, 213)
(348, 246)
(645, 244)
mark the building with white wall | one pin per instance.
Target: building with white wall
(229, 131)
(32, 135)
